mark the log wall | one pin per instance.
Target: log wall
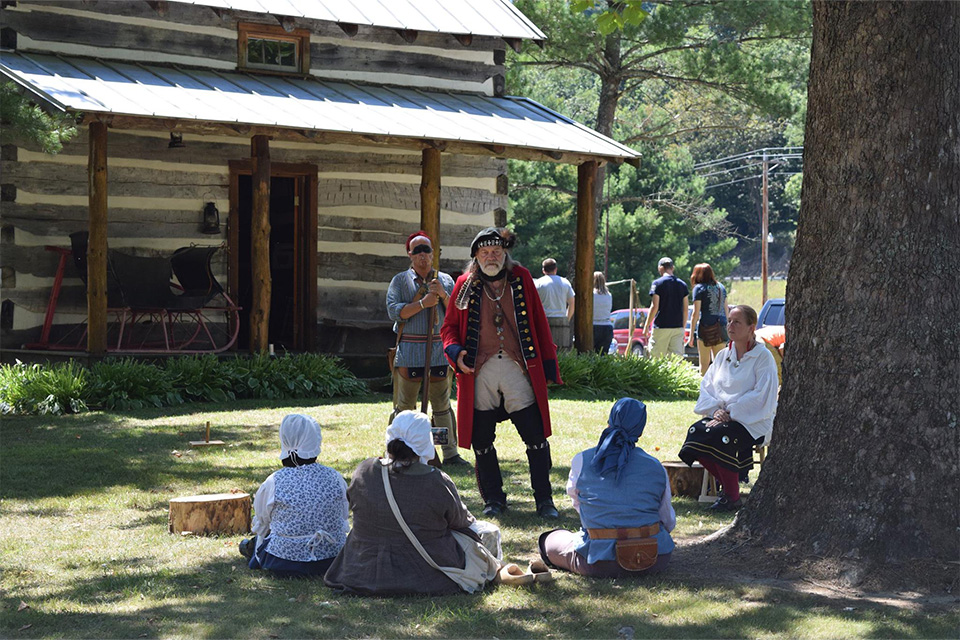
(199, 36)
(368, 198)
(368, 203)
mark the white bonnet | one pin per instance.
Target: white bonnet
(299, 434)
(413, 428)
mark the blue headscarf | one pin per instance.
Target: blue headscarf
(628, 417)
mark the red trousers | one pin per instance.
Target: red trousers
(729, 479)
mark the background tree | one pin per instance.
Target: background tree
(864, 466)
(687, 69)
(24, 121)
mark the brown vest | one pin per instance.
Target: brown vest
(506, 342)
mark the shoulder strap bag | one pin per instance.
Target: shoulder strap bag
(481, 566)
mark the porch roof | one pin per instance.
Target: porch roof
(497, 18)
(131, 95)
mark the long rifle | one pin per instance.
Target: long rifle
(428, 356)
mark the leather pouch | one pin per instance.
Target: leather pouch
(637, 554)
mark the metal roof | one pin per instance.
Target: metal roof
(497, 18)
(100, 87)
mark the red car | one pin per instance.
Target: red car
(621, 330)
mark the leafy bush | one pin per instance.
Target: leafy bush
(326, 377)
(129, 384)
(50, 390)
(637, 377)
(201, 378)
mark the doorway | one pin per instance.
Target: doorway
(293, 253)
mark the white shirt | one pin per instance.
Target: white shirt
(554, 292)
(668, 517)
(746, 388)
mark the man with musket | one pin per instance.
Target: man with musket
(414, 297)
(497, 338)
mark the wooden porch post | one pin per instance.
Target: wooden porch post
(586, 237)
(97, 242)
(430, 199)
(260, 245)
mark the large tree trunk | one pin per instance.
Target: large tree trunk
(864, 462)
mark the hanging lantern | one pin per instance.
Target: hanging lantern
(211, 219)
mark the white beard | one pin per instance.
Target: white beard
(491, 269)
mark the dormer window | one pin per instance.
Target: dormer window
(269, 48)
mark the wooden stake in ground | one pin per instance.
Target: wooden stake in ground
(227, 513)
(207, 442)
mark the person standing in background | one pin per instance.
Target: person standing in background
(410, 297)
(557, 297)
(708, 324)
(668, 312)
(602, 307)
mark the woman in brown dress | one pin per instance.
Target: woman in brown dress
(377, 558)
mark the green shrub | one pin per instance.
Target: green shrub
(46, 390)
(324, 376)
(628, 376)
(201, 378)
(129, 384)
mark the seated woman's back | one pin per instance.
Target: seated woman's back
(378, 558)
(307, 499)
(632, 501)
(428, 501)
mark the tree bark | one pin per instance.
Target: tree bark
(864, 460)
(226, 513)
(610, 92)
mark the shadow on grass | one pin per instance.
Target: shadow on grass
(221, 598)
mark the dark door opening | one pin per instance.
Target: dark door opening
(292, 270)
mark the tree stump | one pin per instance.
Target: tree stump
(684, 480)
(217, 513)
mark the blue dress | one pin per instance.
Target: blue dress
(634, 501)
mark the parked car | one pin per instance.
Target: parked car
(621, 330)
(771, 313)
(770, 329)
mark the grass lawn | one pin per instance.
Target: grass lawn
(85, 544)
(750, 292)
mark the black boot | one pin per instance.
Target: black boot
(530, 426)
(489, 479)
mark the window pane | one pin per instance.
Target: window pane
(287, 54)
(255, 51)
(267, 52)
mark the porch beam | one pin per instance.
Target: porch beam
(97, 243)
(430, 199)
(335, 137)
(260, 245)
(586, 237)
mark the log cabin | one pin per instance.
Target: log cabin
(308, 138)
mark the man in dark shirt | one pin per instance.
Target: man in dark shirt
(668, 312)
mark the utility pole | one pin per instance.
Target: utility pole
(764, 229)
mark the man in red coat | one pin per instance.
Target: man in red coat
(497, 339)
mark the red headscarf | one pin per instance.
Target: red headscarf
(417, 234)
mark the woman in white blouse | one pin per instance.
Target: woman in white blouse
(300, 511)
(738, 396)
